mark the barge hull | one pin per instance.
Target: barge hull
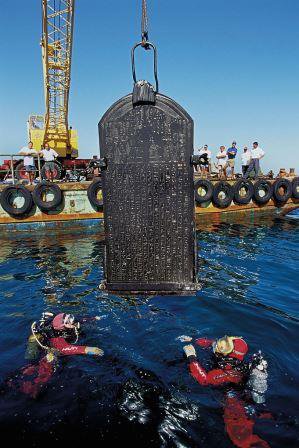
(77, 212)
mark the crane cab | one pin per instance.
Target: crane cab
(36, 134)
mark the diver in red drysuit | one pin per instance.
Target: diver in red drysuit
(54, 337)
(230, 369)
(62, 325)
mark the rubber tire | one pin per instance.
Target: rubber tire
(242, 200)
(277, 185)
(92, 191)
(58, 169)
(37, 196)
(226, 187)
(208, 186)
(5, 203)
(20, 167)
(295, 185)
(262, 199)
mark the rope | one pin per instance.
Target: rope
(77, 335)
(36, 338)
(144, 25)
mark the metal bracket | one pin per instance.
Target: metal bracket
(102, 163)
(143, 92)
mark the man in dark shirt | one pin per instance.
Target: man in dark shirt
(231, 155)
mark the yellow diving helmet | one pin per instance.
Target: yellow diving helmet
(225, 345)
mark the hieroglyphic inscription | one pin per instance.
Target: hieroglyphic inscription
(148, 194)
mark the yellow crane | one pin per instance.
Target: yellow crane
(56, 44)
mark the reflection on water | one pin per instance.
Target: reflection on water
(140, 392)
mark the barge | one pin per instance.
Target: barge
(81, 203)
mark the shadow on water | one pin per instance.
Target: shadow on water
(140, 392)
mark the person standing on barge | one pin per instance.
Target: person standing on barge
(256, 155)
(246, 158)
(28, 161)
(49, 156)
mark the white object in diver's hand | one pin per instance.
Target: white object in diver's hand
(184, 338)
(94, 351)
(189, 350)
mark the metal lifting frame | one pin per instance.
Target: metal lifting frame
(57, 38)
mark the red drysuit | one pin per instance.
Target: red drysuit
(238, 425)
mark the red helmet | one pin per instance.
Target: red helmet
(240, 349)
(231, 346)
(59, 322)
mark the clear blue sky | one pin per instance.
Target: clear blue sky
(233, 64)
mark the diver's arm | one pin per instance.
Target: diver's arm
(215, 377)
(196, 370)
(89, 319)
(204, 342)
(65, 348)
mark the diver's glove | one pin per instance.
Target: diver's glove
(94, 351)
(189, 350)
(184, 338)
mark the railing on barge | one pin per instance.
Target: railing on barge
(10, 170)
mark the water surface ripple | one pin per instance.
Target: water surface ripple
(140, 392)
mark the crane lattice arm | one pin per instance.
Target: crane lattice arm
(57, 38)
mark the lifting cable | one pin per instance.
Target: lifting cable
(144, 26)
(146, 44)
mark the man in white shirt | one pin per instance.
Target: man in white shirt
(49, 156)
(246, 158)
(256, 154)
(28, 161)
(221, 161)
(204, 159)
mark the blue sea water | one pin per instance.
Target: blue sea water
(140, 393)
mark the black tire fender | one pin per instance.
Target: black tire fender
(227, 190)
(8, 195)
(92, 193)
(243, 199)
(42, 189)
(205, 185)
(295, 188)
(286, 185)
(264, 186)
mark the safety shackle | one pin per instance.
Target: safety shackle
(147, 46)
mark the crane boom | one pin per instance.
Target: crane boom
(56, 42)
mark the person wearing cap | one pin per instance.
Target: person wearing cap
(230, 369)
(231, 155)
(246, 158)
(256, 155)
